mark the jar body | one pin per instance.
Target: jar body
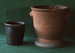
(49, 25)
(14, 32)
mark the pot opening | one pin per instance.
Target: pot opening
(50, 7)
(14, 23)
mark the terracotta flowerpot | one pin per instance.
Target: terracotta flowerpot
(49, 23)
(14, 31)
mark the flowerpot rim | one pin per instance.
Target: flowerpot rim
(50, 7)
(14, 23)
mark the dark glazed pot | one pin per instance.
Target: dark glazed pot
(14, 31)
(49, 23)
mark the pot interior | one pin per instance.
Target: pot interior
(14, 22)
(50, 7)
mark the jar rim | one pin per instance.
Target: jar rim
(14, 23)
(50, 7)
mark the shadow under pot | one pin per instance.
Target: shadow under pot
(14, 31)
(49, 23)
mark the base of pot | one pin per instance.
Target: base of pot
(50, 43)
(15, 44)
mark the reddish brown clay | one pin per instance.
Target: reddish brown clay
(49, 23)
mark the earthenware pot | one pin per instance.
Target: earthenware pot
(49, 23)
(14, 31)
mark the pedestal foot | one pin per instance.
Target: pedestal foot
(50, 43)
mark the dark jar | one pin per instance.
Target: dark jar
(14, 31)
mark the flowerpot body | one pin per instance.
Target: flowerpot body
(49, 23)
(14, 31)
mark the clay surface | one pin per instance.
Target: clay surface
(49, 23)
